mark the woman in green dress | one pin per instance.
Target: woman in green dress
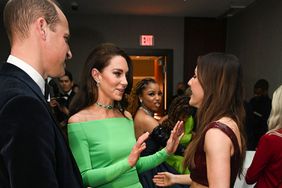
(101, 132)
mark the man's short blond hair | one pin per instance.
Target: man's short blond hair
(19, 14)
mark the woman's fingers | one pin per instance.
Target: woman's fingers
(142, 138)
(142, 147)
(174, 138)
(137, 149)
(158, 180)
(179, 128)
(162, 179)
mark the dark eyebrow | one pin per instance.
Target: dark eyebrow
(151, 90)
(120, 70)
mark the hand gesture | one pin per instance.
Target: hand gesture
(53, 103)
(175, 136)
(137, 149)
(163, 179)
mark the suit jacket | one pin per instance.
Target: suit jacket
(69, 98)
(64, 101)
(33, 151)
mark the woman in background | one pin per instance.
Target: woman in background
(101, 132)
(145, 100)
(216, 153)
(266, 167)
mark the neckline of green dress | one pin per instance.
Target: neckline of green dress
(105, 119)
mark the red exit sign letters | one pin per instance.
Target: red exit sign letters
(147, 40)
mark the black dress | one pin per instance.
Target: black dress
(154, 143)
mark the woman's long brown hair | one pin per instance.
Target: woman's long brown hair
(220, 76)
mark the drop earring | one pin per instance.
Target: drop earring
(97, 83)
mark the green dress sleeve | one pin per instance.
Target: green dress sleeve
(176, 161)
(80, 149)
(151, 161)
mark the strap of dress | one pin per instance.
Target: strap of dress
(228, 131)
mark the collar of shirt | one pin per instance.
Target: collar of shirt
(29, 70)
(68, 93)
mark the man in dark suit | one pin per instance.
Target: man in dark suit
(60, 102)
(33, 152)
(261, 106)
(67, 94)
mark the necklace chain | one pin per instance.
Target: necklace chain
(148, 112)
(106, 106)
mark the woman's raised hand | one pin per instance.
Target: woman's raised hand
(175, 136)
(137, 149)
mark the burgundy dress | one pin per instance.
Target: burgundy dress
(199, 173)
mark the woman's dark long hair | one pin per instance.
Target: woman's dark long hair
(179, 110)
(220, 76)
(99, 58)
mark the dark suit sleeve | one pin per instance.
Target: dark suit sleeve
(28, 143)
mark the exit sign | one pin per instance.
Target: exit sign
(147, 40)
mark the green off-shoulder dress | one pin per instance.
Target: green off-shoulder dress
(101, 149)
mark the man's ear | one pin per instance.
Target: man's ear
(41, 26)
(95, 75)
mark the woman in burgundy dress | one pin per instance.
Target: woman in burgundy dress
(216, 153)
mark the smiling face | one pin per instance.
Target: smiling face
(197, 91)
(152, 97)
(112, 80)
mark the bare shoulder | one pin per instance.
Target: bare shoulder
(230, 123)
(217, 141)
(214, 132)
(215, 137)
(74, 118)
(144, 118)
(145, 122)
